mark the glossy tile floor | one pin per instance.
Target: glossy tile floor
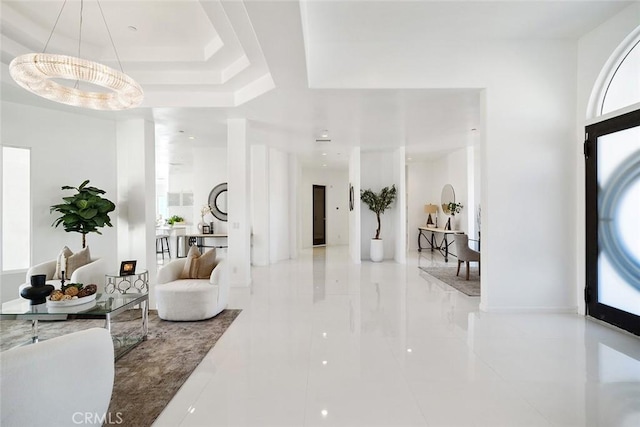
(325, 342)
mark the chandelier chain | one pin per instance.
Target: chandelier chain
(77, 84)
(54, 26)
(110, 38)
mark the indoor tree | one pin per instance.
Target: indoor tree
(84, 212)
(379, 202)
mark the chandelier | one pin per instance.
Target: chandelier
(35, 72)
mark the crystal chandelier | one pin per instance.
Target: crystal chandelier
(35, 72)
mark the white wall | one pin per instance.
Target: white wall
(528, 147)
(211, 166)
(459, 168)
(66, 149)
(376, 174)
(336, 182)
(595, 51)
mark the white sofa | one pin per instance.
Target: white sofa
(64, 381)
(93, 272)
(191, 299)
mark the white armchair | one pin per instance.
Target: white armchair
(40, 387)
(191, 299)
(89, 273)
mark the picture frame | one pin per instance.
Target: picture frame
(128, 268)
(206, 229)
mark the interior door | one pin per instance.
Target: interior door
(319, 215)
(612, 151)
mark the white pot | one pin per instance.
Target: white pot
(377, 250)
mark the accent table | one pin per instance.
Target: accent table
(138, 282)
(443, 246)
(105, 306)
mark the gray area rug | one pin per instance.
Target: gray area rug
(447, 275)
(148, 376)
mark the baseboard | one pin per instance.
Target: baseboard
(529, 310)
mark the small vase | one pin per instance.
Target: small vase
(38, 292)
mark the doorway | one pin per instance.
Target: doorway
(612, 151)
(319, 215)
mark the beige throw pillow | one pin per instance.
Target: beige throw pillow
(73, 261)
(64, 253)
(199, 266)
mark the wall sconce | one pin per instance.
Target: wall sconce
(431, 209)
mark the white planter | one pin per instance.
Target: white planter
(377, 250)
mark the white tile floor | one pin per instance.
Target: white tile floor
(325, 342)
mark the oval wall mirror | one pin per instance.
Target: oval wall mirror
(218, 201)
(447, 196)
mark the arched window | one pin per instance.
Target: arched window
(620, 86)
(624, 87)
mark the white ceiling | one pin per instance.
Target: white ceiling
(201, 62)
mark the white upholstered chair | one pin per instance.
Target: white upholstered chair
(191, 299)
(465, 253)
(87, 274)
(64, 381)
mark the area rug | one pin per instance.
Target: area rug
(447, 275)
(148, 376)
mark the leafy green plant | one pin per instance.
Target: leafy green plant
(84, 212)
(175, 218)
(378, 202)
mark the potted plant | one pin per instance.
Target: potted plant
(84, 212)
(174, 219)
(378, 203)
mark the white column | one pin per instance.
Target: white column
(399, 208)
(136, 204)
(239, 252)
(259, 205)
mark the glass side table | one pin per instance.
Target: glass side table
(137, 282)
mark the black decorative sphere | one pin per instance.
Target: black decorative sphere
(38, 291)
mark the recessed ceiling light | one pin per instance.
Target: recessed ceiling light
(192, 137)
(132, 28)
(325, 134)
(324, 154)
(409, 158)
(324, 412)
(324, 362)
(324, 166)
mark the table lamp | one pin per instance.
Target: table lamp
(431, 209)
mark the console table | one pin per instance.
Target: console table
(429, 233)
(199, 241)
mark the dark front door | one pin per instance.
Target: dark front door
(319, 215)
(612, 151)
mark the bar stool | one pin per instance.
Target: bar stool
(161, 241)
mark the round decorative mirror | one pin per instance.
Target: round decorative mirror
(218, 201)
(447, 196)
